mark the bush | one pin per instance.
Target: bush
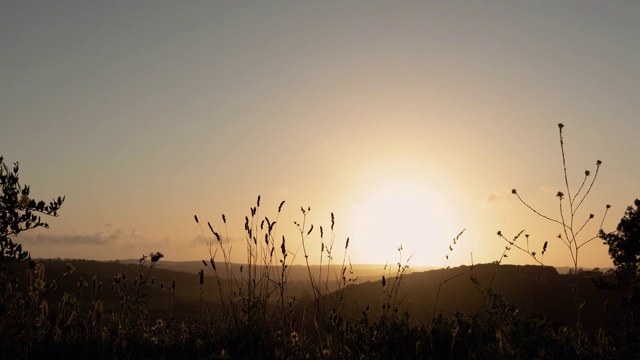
(19, 213)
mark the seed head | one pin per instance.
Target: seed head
(283, 247)
(156, 256)
(294, 337)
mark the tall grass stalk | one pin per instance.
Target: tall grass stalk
(327, 300)
(444, 268)
(258, 295)
(527, 250)
(391, 286)
(245, 297)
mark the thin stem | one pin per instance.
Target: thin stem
(536, 211)
(601, 223)
(455, 240)
(512, 243)
(595, 176)
(563, 241)
(564, 226)
(583, 225)
(504, 253)
(564, 167)
(584, 180)
(587, 241)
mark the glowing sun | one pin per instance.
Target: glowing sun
(402, 213)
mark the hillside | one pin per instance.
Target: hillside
(536, 291)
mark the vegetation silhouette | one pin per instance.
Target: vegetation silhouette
(570, 226)
(624, 245)
(624, 249)
(19, 213)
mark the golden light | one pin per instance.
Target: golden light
(403, 214)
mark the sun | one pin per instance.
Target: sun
(405, 214)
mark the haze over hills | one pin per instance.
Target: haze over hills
(364, 272)
(536, 291)
(361, 272)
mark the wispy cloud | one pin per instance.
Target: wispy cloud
(112, 237)
(495, 197)
(58, 239)
(199, 240)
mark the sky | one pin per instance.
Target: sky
(409, 121)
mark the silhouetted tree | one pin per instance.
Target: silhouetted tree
(19, 213)
(624, 249)
(624, 245)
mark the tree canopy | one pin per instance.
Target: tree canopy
(624, 244)
(18, 213)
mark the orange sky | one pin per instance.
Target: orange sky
(410, 121)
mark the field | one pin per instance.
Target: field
(125, 310)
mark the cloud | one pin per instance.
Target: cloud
(112, 237)
(57, 239)
(199, 240)
(496, 197)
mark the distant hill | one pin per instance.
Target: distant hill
(363, 272)
(568, 269)
(535, 290)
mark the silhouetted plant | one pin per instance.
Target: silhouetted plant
(568, 221)
(18, 213)
(21, 308)
(327, 300)
(444, 268)
(624, 245)
(624, 249)
(527, 249)
(391, 287)
(246, 297)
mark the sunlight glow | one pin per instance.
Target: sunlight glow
(402, 213)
